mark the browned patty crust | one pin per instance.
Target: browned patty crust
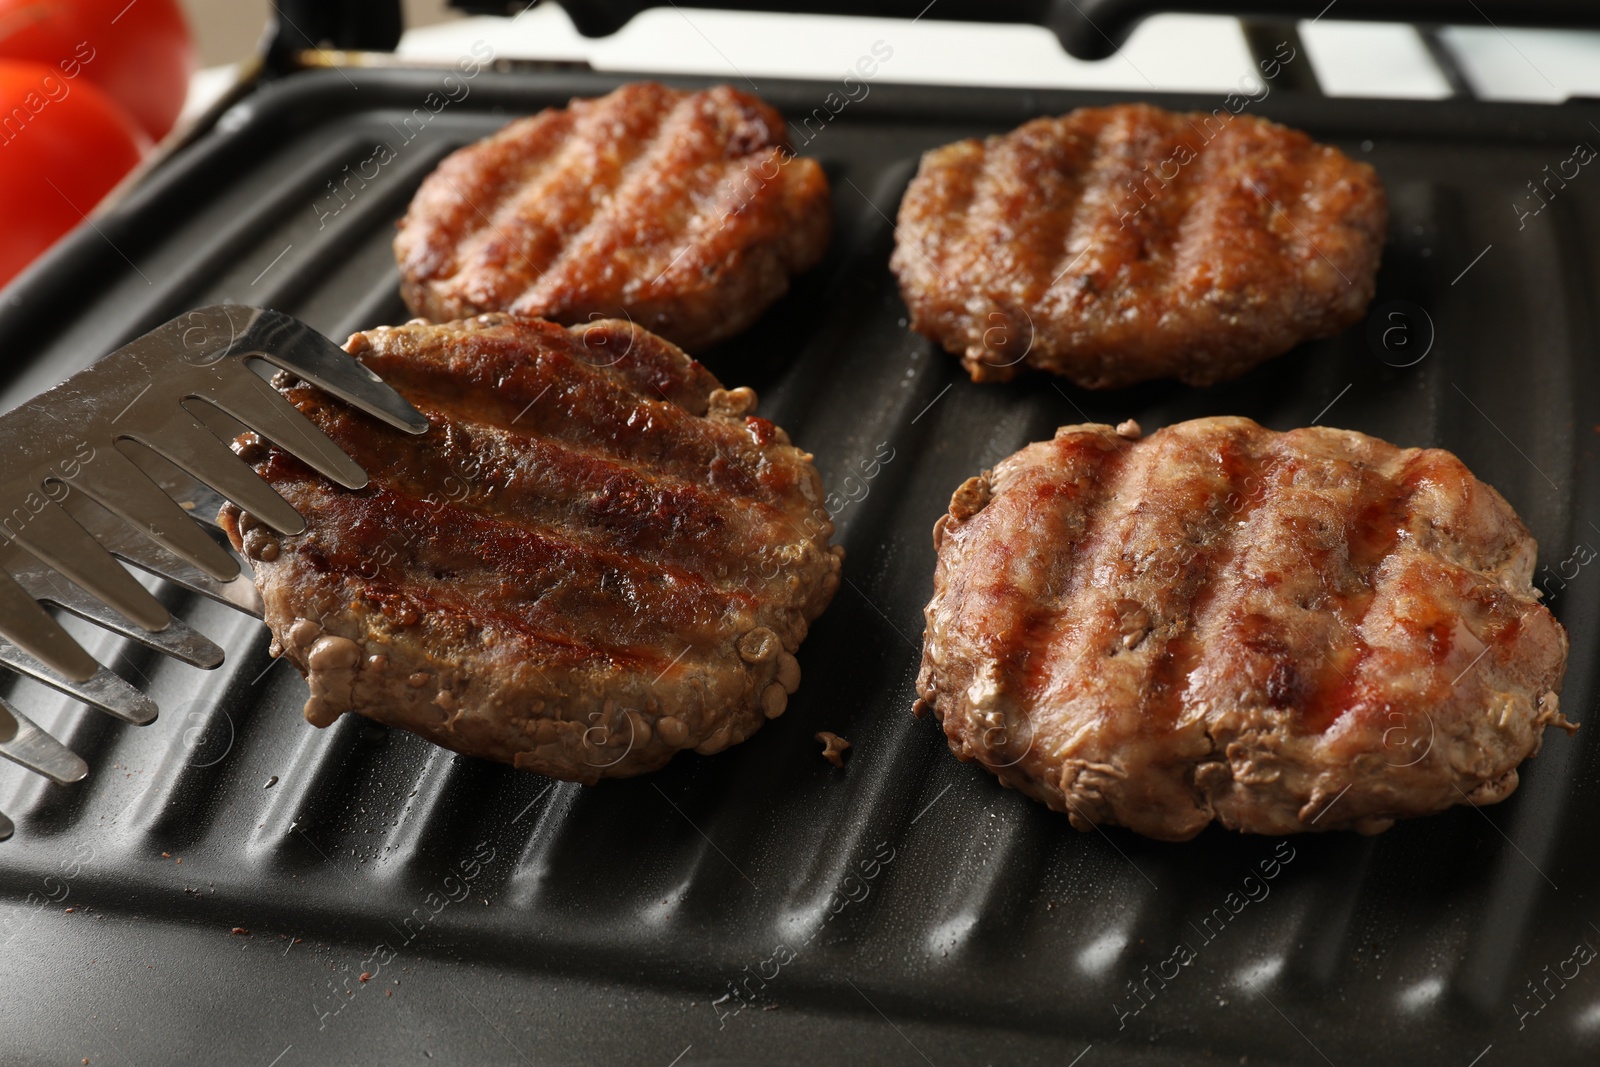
(686, 213)
(1311, 630)
(596, 557)
(1116, 245)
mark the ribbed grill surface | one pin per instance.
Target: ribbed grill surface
(606, 922)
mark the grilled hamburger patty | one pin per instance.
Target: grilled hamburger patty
(1278, 631)
(596, 557)
(684, 212)
(1116, 245)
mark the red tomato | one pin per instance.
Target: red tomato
(140, 52)
(63, 145)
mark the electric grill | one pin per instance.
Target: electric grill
(231, 885)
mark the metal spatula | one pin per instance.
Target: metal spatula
(176, 393)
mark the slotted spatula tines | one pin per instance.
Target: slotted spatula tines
(84, 435)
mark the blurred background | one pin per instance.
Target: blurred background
(227, 30)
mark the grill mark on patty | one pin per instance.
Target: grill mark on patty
(620, 352)
(1374, 532)
(994, 184)
(647, 201)
(546, 578)
(1321, 693)
(553, 489)
(539, 221)
(956, 185)
(1208, 630)
(546, 144)
(1091, 631)
(545, 137)
(1104, 186)
(1163, 698)
(1058, 232)
(1068, 508)
(1053, 178)
(656, 520)
(557, 396)
(1372, 529)
(642, 206)
(1224, 627)
(652, 154)
(441, 610)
